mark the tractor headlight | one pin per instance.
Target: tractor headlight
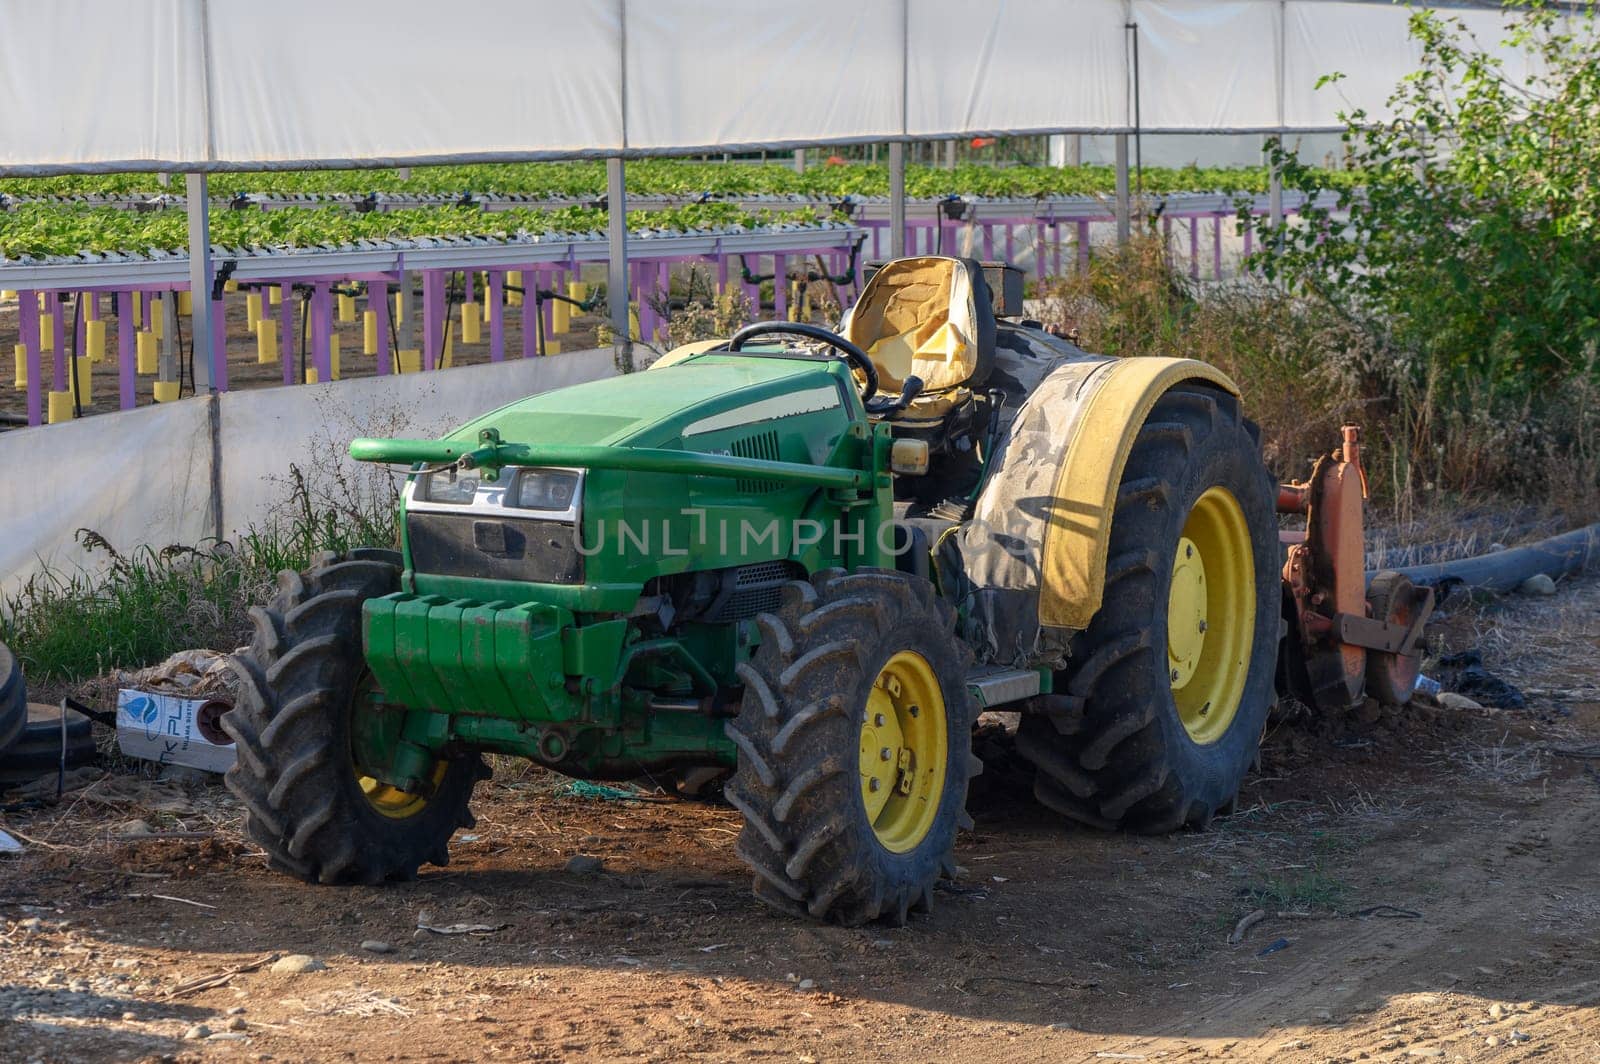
(451, 488)
(551, 490)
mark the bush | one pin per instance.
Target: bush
(1297, 365)
(1468, 260)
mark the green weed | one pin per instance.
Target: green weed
(147, 604)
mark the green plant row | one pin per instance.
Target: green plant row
(38, 230)
(674, 177)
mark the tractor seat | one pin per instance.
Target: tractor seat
(931, 317)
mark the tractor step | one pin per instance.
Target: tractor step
(996, 687)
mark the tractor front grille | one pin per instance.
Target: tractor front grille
(494, 548)
(752, 589)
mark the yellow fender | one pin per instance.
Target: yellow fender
(1073, 556)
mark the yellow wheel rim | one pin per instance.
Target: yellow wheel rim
(905, 743)
(1211, 615)
(392, 801)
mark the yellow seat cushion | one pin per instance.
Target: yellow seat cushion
(913, 319)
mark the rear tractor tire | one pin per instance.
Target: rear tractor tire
(303, 685)
(855, 748)
(1167, 691)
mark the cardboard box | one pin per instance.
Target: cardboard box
(173, 731)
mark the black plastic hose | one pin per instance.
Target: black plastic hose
(1505, 570)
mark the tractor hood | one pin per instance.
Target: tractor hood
(691, 405)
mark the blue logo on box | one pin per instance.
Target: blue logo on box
(144, 710)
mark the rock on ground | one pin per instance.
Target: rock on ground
(297, 964)
(1537, 584)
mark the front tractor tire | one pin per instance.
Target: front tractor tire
(855, 748)
(297, 727)
(1169, 688)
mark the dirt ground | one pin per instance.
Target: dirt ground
(1428, 880)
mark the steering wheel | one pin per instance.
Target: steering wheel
(852, 354)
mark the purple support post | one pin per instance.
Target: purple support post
(547, 313)
(219, 345)
(321, 330)
(432, 312)
(530, 312)
(1011, 242)
(1056, 251)
(1194, 247)
(286, 332)
(81, 321)
(378, 303)
(1083, 246)
(28, 326)
(125, 348)
(56, 311)
(780, 288)
(497, 321)
(1216, 247)
(641, 284)
(664, 286)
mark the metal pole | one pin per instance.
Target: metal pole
(897, 200)
(1124, 203)
(617, 271)
(408, 311)
(167, 365)
(199, 208)
(1274, 190)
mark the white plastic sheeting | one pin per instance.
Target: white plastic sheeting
(735, 72)
(137, 478)
(218, 84)
(305, 79)
(145, 477)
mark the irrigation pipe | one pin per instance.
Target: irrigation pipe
(1505, 570)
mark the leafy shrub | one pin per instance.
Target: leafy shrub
(1468, 259)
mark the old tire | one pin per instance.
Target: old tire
(1169, 688)
(305, 799)
(36, 751)
(13, 699)
(854, 664)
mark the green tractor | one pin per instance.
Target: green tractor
(807, 561)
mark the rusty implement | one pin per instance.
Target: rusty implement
(1345, 639)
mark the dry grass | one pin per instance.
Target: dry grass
(1294, 365)
(1305, 369)
(1503, 762)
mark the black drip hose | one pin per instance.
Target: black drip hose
(394, 339)
(183, 360)
(72, 354)
(305, 325)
